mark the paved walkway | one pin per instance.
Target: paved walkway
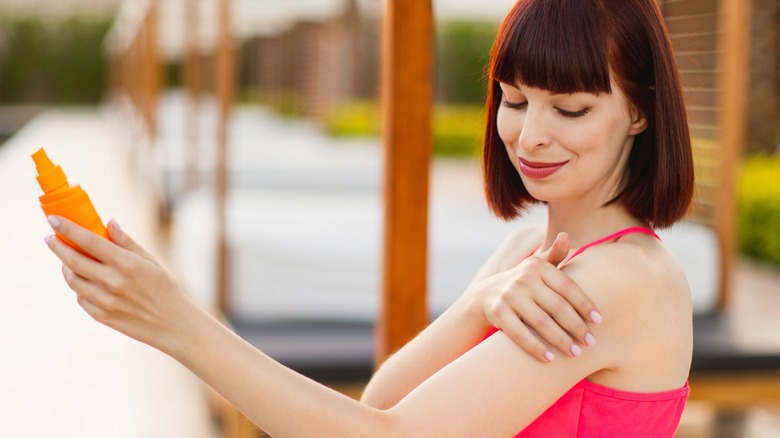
(61, 373)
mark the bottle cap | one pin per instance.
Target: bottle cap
(50, 177)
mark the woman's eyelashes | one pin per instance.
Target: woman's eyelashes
(572, 114)
(515, 105)
(563, 112)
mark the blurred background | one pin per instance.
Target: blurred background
(241, 140)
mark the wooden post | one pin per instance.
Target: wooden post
(224, 87)
(407, 73)
(734, 46)
(151, 67)
(191, 80)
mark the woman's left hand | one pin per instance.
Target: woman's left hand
(124, 286)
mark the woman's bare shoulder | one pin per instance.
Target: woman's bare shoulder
(643, 295)
(519, 244)
(511, 251)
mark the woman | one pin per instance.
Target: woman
(585, 114)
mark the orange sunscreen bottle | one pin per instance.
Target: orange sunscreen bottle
(61, 199)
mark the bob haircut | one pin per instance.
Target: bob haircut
(568, 46)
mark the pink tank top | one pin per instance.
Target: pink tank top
(592, 410)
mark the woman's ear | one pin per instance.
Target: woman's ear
(638, 122)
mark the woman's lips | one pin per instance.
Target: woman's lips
(533, 169)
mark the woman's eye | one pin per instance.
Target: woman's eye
(572, 114)
(515, 105)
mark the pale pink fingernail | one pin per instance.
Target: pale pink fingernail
(53, 221)
(115, 224)
(47, 238)
(596, 317)
(575, 350)
(590, 340)
(549, 356)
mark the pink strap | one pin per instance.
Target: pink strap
(613, 236)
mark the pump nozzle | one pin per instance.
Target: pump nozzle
(50, 177)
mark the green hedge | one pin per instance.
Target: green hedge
(462, 52)
(353, 119)
(457, 129)
(52, 61)
(759, 209)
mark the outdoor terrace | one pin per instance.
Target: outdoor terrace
(301, 213)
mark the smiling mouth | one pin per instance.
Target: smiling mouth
(534, 169)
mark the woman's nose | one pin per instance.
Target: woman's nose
(535, 132)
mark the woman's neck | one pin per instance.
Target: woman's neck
(584, 224)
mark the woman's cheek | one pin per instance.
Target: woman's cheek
(583, 140)
(508, 127)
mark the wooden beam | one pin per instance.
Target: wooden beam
(191, 81)
(224, 87)
(407, 73)
(734, 390)
(151, 67)
(733, 43)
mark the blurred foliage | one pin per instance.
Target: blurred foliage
(353, 119)
(52, 60)
(457, 129)
(759, 209)
(287, 103)
(463, 51)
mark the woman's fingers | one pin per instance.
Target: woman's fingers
(521, 335)
(119, 237)
(563, 325)
(93, 310)
(76, 261)
(545, 322)
(573, 294)
(96, 246)
(558, 251)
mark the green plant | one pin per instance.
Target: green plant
(353, 119)
(52, 60)
(463, 50)
(759, 209)
(457, 129)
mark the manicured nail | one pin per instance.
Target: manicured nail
(590, 340)
(575, 350)
(596, 317)
(113, 223)
(47, 238)
(53, 221)
(549, 356)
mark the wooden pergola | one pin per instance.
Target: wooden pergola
(406, 90)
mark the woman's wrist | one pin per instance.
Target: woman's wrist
(186, 331)
(472, 307)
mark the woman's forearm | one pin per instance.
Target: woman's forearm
(277, 399)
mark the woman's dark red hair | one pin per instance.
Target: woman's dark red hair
(567, 46)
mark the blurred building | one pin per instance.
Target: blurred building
(762, 130)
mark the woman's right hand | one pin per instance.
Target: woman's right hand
(535, 301)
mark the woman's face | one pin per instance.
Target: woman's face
(567, 146)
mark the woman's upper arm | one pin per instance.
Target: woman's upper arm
(495, 389)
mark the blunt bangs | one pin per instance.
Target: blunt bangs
(555, 45)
